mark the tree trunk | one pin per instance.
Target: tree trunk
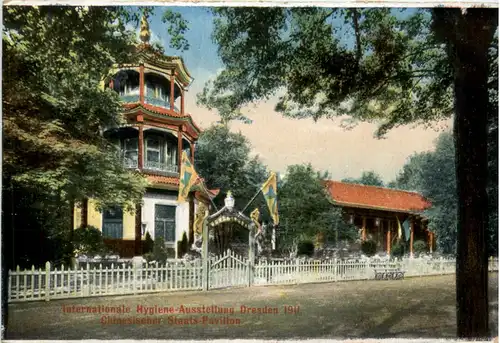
(474, 34)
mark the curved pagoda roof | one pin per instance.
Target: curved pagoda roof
(147, 54)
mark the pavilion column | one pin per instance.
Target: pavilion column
(182, 101)
(191, 145)
(141, 84)
(179, 147)
(138, 230)
(379, 228)
(388, 238)
(172, 90)
(431, 241)
(411, 236)
(363, 230)
(140, 154)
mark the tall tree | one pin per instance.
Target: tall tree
(368, 178)
(305, 209)
(223, 158)
(394, 68)
(433, 175)
(53, 113)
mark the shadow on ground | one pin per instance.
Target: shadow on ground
(412, 308)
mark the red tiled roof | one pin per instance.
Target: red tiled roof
(170, 180)
(361, 196)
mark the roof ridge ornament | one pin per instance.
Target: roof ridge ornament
(145, 33)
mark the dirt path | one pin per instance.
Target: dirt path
(412, 308)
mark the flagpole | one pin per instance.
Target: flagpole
(252, 200)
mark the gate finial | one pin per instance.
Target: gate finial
(229, 201)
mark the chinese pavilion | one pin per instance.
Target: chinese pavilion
(377, 210)
(156, 132)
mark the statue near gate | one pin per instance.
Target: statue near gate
(259, 237)
(201, 214)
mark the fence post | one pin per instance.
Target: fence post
(134, 277)
(47, 281)
(335, 269)
(251, 254)
(297, 270)
(87, 270)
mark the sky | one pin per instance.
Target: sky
(281, 141)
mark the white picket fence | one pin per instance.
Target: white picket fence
(32, 284)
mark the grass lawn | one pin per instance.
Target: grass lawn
(411, 308)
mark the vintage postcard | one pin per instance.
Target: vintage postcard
(271, 172)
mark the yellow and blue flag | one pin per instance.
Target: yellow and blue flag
(188, 177)
(270, 191)
(400, 231)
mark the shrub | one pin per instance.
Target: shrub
(419, 247)
(89, 241)
(148, 244)
(398, 250)
(369, 247)
(305, 248)
(159, 253)
(183, 245)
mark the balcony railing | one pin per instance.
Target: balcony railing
(156, 166)
(164, 167)
(129, 97)
(130, 163)
(159, 103)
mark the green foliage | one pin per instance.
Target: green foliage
(369, 247)
(305, 208)
(223, 160)
(177, 27)
(394, 73)
(148, 244)
(159, 253)
(369, 178)
(433, 175)
(89, 241)
(55, 58)
(183, 245)
(398, 249)
(305, 248)
(420, 247)
(54, 111)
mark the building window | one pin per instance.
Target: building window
(131, 152)
(165, 222)
(155, 153)
(155, 92)
(154, 149)
(112, 223)
(172, 154)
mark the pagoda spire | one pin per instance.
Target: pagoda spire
(145, 34)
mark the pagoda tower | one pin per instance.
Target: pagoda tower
(157, 130)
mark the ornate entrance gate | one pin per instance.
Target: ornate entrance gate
(228, 269)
